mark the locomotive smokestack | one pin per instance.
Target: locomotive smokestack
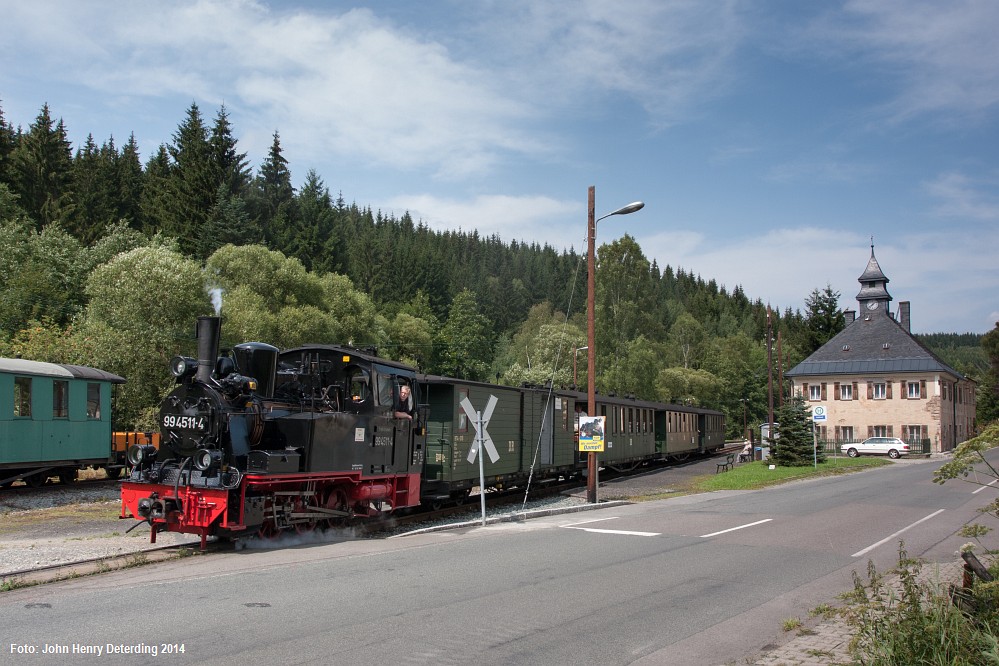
(209, 331)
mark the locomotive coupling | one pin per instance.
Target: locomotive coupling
(155, 508)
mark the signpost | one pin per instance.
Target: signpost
(482, 439)
(819, 415)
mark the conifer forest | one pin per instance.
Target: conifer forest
(107, 257)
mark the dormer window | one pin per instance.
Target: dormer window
(846, 348)
(886, 345)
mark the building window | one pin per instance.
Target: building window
(880, 393)
(22, 396)
(846, 392)
(814, 392)
(913, 389)
(913, 433)
(60, 399)
(94, 401)
(846, 433)
(879, 431)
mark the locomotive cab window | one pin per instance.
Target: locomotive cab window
(22, 397)
(359, 384)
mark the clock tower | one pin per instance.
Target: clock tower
(873, 296)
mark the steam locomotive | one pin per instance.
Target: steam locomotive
(259, 440)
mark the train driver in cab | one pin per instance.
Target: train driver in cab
(404, 405)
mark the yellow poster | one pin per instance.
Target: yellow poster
(591, 433)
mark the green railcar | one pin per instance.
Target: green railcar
(529, 433)
(55, 419)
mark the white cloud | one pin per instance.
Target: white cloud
(937, 57)
(348, 85)
(967, 197)
(783, 266)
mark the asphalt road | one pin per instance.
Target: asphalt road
(703, 579)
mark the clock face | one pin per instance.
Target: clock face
(873, 305)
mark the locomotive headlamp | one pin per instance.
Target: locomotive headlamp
(140, 455)
(183, 366)
(205, 459)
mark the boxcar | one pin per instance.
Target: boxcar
(530, 431)
(55, 419)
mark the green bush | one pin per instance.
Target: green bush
(915, 622)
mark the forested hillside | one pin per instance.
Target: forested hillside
(107, 261)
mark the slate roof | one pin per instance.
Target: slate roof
(860, 349)
(873, 282)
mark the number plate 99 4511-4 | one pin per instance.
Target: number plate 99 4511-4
(180, 422)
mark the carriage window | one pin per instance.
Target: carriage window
(60, 399)
(22, 396)
(93, 401)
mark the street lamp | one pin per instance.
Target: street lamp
(575, 382)
(591, 356)
(744, 424)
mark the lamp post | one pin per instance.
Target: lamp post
(575, 354)
(591, 356)
(744, 424)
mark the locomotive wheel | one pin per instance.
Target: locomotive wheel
(335, 500)
(302, 506)
(114, 473)
(268, 529)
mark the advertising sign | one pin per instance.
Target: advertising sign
(591, 433)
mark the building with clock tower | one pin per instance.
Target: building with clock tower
(876, 380)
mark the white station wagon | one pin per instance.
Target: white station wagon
(893, 447)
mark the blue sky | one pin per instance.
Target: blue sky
(770, 141)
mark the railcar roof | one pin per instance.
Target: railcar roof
(20, 366)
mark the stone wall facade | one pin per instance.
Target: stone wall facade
(910, 406)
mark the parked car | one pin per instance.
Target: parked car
(893, 447)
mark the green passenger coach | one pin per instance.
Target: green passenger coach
(55, 419)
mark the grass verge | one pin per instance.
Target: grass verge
(750, 476)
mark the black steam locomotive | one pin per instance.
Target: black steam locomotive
(258, 440)
(262, 441)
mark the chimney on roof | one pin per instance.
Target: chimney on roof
(849, 315)
(903, 315)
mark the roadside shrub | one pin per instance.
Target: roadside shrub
(910, 620)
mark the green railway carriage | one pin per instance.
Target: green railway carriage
(629, 429)
(530, 430)
(54, 420)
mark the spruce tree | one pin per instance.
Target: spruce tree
(42, 165)
(273, 199)
(8, 141)
(794, 443)
(157, 195)
(193, 182)
(131, 181)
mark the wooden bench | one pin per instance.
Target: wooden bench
(727, 465)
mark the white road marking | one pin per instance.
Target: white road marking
(993, 481)
(889, 538)
(576, 526)
(740, 527)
